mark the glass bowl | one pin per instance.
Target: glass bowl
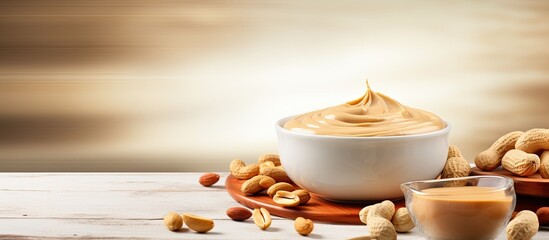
(476, 207)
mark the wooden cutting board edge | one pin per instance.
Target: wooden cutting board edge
(332, 212)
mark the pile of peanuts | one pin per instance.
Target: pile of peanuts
(384, 222)
(521, 153)
(517, 152)
(268, 177)
(456, 166)
(265, 177)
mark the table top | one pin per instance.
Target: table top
(132, 205)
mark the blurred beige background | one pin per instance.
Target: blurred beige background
(190, 85)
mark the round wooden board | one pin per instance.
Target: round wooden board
(316, 209)
(532, 186)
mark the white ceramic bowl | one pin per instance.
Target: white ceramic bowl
(343, 168)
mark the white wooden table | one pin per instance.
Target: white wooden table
(132, 205)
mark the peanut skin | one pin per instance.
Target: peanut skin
(402, 221)
(277, 173)
(490, 159)
(543, 216)
(269, 157)
(533, 140)
(523, 227)
(256, 184)
(520, 163)
(303, 226)
(453, 151)
(381, 229)
(241, 171)
(385, 209)
(456, 167)
(544, 165)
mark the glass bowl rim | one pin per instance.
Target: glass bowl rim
(508, 183)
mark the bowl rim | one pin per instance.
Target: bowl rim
(279, 128)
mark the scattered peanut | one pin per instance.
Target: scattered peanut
(543, 216)
(238, 213)
(262, 218)
(490, 159)
(402, 221)
(533, 140)
(173, 221)
(271, 157)
(544, 164)
(197, 223)
(241, 171)
(363, 214)
(453, 151)
(277, 173)
(303, 226)
(303, 195)
(385, 209)
(286, 199)
(266, 182)
(266, 164)
(381, 228)
(278, 187)
(208, 179)
(523, 227)
(520, 163)
(256, 184)
(456, 167)
(378, 217)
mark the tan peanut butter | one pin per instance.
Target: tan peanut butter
(374, 114)
(462, 213)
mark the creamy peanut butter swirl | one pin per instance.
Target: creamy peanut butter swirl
(374, 114)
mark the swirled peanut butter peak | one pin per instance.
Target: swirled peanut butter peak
(374, 114)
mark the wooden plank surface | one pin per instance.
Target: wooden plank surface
(131, 205)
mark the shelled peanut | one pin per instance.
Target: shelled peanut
(384, 222)
(256, 184)
(174, 222)
(281, 186)
(270, 176)
(303, 226)
(266, 176)
(197, 223)
(262, 218)
(517, 152)
(286, 199)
